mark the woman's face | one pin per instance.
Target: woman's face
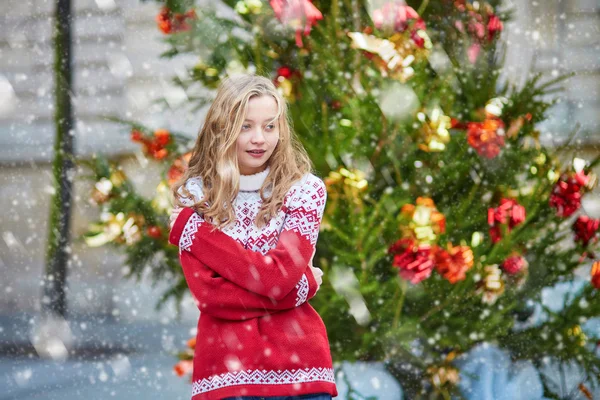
(257, 133)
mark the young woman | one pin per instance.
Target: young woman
(247, 217)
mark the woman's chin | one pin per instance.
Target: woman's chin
(253, 167)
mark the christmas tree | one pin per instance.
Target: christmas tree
(446, 215)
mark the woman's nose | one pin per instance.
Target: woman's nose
(258, 136)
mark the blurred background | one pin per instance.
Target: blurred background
(125, 348)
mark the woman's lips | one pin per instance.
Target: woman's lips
(256, 154)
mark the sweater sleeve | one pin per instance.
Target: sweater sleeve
(220, 298)
(274, 274)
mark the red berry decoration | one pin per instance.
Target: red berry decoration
(487, 137)
(154, 232)
(509, 213)
(415, 262)
(566, 194)
(585, 229)
(514, 264)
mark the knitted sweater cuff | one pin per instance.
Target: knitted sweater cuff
(312, 284)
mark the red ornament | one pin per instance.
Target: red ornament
(482, 25)
(567, 192)
(473, 52)
(178, 168)
(476, 26)
(585, 229)
(170, 22)
(456, 124)
(301, 14)
(162, 137)
(415, 262)
(154, 147)
(419, 25)
(460, 5)
(395, 14)
(136, 136)
(154, 232)
(400, 17)
(286, 72)
(486, 137)
(514, 264)
(183, 367)
(368, 55)
(595, 273)
(163, 20)
(453, 263)
(494, 27)
(160, 154)
(508, 213)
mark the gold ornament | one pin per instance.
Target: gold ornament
(162, 200)
(117, 177)
(131, 229)
(434, 129)
(393, 57)
(492, 285)
(494, 107)
(476, 239)
(532, 141)
(343, 183)
(422, 222)
(441, 376)
(515, 127)
(354, 178)
(286, 88)
(101, 191)
(208, 75)
(248, 7)
(576, 334)
(116, 228)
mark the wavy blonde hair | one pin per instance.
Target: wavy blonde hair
(214, 157)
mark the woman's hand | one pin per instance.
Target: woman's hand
(174, 215)
(317, 273)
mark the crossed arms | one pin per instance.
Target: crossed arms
(234, 283)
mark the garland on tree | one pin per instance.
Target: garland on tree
(442, 202)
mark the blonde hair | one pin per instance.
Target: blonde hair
(214, 157)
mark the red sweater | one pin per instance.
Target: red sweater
(257, 334)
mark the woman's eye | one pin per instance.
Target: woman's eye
(271, 126)
(245, 126)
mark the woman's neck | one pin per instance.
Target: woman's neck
(251, 183)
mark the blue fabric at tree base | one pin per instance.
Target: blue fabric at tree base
(487, 373)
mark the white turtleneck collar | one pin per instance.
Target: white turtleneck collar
(252, 183)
